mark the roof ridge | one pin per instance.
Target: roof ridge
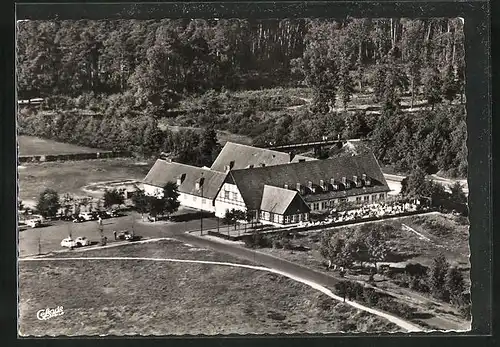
(309, 162)
(192, 166)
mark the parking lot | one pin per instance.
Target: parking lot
(47, 238)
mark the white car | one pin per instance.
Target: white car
(86, 215)
(78, 242)
(68, 242)
(33, 223)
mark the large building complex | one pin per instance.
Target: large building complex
(271, 186)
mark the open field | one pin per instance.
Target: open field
(415, 239)
(145, 297)
(71, 176)
(31, 145)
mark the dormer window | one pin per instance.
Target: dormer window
(346, 183)
(199, 183)
(322, 184)
(181, 179)
(312, 189)
(366, 180)
(335, 185)
(357, 181)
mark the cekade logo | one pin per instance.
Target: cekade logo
(49, 313)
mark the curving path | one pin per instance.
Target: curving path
(409, 327)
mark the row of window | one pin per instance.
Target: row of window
(193, 197)
(230, 195)
(329, 204)
(278, 218)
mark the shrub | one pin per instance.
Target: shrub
(370, 296)
(258, 240)
(437, 278)
(416, 269)
(324, 302)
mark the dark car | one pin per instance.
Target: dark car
(102, 215)
(77, 219)
(112, 213)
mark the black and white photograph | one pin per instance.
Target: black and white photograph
(217, 176)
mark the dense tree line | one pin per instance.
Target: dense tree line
(138, 134)
(129, 73)
(157, 61)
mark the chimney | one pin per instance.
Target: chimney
(231, 164)
(262, 164)
(298, 188)
(285, 186)
(226, 168)
(322, 184)
(310, 184)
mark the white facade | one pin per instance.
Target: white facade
(185, 199)
(152, 190)
(229, 197)
(363, 198)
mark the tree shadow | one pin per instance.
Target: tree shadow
(421, 315)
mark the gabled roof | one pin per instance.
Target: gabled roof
(282, 201)
(251, 182)
(299, 157)
(164, 171)
(244, 156)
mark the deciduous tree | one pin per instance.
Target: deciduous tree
(48, 203)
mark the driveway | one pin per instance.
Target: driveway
(50, 236)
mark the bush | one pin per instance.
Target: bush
(258, 240)
(324, 302)
(416, 269)
(370, 296)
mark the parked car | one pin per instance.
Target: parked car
(78, 219)
(81, 241)
(113, 213)
(87, 215)
(33, 223)
(103, 215)
(124, 235)
(68, 242)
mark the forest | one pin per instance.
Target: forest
(111, 84)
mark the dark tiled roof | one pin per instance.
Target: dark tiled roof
(164, 171)
(251, 182)
(282, 201)
(243, 156)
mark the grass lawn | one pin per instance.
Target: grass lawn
(145, 297)
(71, 176)
(448, 235)
(31, 145)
